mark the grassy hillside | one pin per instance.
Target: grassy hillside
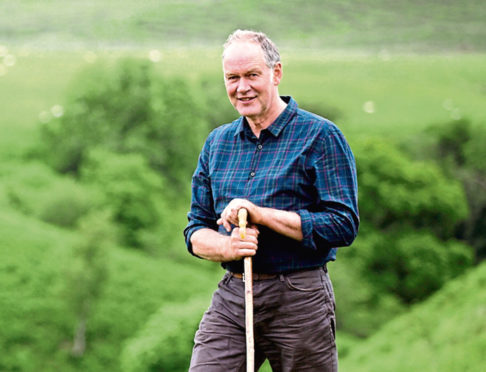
(397, 95)
(445, 333)
(37, 323)
(377, 67)
(373, 25)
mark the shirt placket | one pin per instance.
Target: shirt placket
(254, 167)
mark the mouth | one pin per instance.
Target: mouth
(246, 99)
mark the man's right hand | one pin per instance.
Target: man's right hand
(237, 248)
(213, 246)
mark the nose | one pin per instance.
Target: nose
(243, 85)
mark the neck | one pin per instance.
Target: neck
(261, 123)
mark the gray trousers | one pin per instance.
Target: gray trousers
(294, 325)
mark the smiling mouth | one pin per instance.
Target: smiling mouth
(246, 99)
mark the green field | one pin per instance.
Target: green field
(393, 96)
(401, 25)
(380, 69)
(446, 333)
(409, 93)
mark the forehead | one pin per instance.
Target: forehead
(242, 56)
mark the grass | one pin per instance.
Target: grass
(35, 319)
(406, 93)
(445, 333)
(400, 25)
(353, 60)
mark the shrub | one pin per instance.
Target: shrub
(128, 108)
(165, 342)
(396, 191)
(413, 264)
(129, 188)
(34, 189)
(458, 146)
(405, 250)
(66, 203)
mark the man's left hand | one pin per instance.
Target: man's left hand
(230, 213)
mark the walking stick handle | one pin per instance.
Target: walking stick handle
(250, 348)
(242, 222)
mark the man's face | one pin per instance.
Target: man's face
(251, 86)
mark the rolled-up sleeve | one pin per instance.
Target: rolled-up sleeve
(333, 221)
(201, 214)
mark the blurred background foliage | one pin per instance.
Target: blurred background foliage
(105, 106)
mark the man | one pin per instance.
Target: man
(295, 174)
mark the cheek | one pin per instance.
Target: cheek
(230, 90)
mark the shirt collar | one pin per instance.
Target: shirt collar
(279, 124)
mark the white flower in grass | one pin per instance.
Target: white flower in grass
(448, 104)
(369, 107)
(57, 111)
(155, 55)
(456, 114)
(9, 60)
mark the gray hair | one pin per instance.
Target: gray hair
(270, 51)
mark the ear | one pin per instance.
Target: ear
(277, 73)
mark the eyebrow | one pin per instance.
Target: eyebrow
(251, 71)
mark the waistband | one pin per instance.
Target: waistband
(263, 276)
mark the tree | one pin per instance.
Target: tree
(409, 212)
(128, 108)
(133, 192)
(458, 146)
(396, 192)
(87, 273)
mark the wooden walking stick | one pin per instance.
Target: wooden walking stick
(248, 278)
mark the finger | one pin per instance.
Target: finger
(247, 244)
(227, 225)
(253, 232)
(249, 233)
(226, 220)
(243, 246)
(246, 253)
(250, 242)
(247, 250)
(252, 237)
(233, 217)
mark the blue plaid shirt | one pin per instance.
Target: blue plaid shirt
(300, 163)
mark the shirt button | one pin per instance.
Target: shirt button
(252, 174)
(259, 147)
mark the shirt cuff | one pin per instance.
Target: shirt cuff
(307, 229)
(188, 233)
